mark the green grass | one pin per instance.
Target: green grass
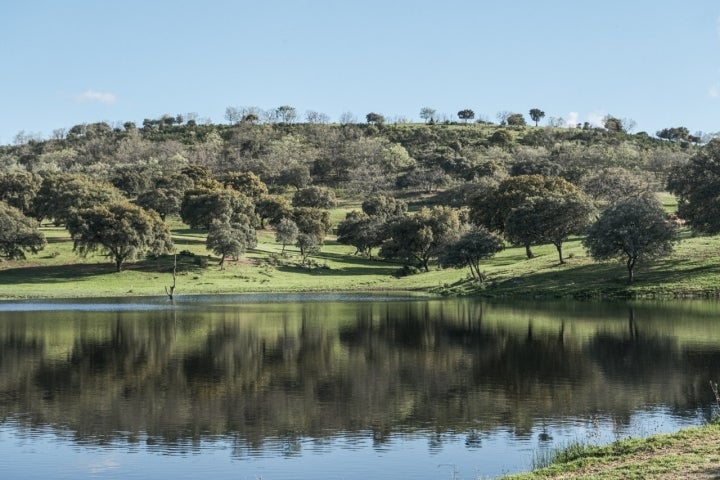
(690, 453)
(691, 271)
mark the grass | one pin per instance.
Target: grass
(691, 271)
(690, 453)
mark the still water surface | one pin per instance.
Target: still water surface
(339, 386)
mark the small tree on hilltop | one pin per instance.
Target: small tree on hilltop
(374, 118)
(516, 120)
(536, 115)
(466, 115)
(634, 230)
(428, 114)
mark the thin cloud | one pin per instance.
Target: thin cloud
(573, 118)
(93, 96)
(596, 119)
(714, 92)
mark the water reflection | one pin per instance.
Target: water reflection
(288, 380)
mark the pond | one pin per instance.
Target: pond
(339, 386)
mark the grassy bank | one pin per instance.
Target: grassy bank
(692, 271)
(691, 453)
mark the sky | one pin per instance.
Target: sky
(68, 62)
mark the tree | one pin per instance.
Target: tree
(166, 198)
(233, 114)
(490, 207)
(476, 244)
(697, 185)
(361, 231)
(18, 233)
(197, 173)
(308, 245)
(18, 189)
(122, 230)
(313, 117)
(296, 175)
(132, 180)
(423, 236)
(314, 197)
(634, 229)
(466, 115)
(232, 239)
(286, 114)
(516, 120)
(273, 208)
(200, 206)
(536, 115)
(286, 232)
(312, 221)
(428, 114)
(501, 138)
(614, 183)
(384, 207)
(613, 124)
(502, 117)
(61, 195)
(549, 218)
(674, 134)
(246, 183)
(374, 118)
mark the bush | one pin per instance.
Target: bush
(407, 270)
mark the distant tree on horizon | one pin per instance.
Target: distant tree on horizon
(536, 115)
(466, 114)
(428, 114)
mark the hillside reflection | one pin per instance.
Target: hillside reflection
(263, 373)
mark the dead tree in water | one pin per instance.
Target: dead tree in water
(170, 292)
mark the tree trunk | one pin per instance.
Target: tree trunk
(630, 267)
(171, 292)
(118, 264)
(560, 253)
(222, 262)
(528, 251)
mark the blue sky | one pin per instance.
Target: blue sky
(65, 62)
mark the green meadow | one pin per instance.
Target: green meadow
(691, 271)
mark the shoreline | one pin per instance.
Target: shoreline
(692, 452)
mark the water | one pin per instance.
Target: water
(338, 386)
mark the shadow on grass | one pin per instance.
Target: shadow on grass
(663, 276)
(54, 273)
(77, 271)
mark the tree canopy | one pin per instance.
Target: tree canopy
(549, 218)
(474, 245)
(63, 194)
(697, 185)
(200, 206)
(536, 115)
(123, 230)
(231, 239)
(634, 229)
(422, 236)
(491, 206)
(18, 233)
